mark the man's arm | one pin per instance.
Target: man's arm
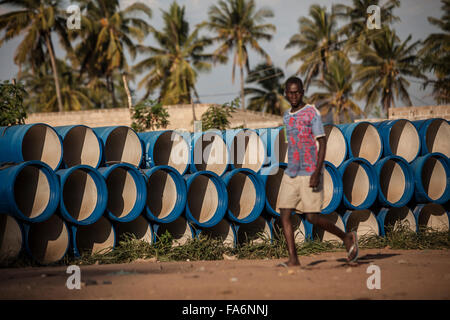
(315, 177)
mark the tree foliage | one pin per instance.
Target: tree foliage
(218, 117)
(12, 111)
(149, 115)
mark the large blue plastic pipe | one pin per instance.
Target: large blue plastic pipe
(389, 216)
(30, 191)
(432, 216)
(364, 222)
(360, 183)
(246, 195)
(11, 239)
(247, 149)
(120, 144)
(363, 141)
(276, 144)
(223, 231)
(431, 178)
(140, 228)
(434, 135)
(401, 138)
(205, 190)
(257, 231)
(209, 152)
(180, 230)
(333, 188)
(271, 177)
(47, 242)
(37, 141)
(166, 194)
(127, 191)
(84, 194)
(81, 146)
(167, 147)
(98, 237)
(396, 181)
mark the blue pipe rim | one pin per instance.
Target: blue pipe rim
(373, 183)
(338, 188)
(100, 144)
(409, 181)
(420, 192)
(222, 199)
(54, 187)
(73, 230)
(140, 196)
(180, 203)
(102, 195)
(264, 174)
(260, 198)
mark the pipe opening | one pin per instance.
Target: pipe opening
(221, 231)
(80, 194)
(437, 137)
(81, 146)
(42, 143)
(433, 216)
(392, 181)
(139, 228)
(178, 229)
(404, 140)
(122, 192)
(336, 145)
(10, 238)
(123, 145)
(203, 198)
(280, 154)
(161, 194)
(247, 150)
(211, 153)
(241, 195)
(171, 149)
(273, 189)
(31, 191)
(255, 232)
(365, 142)
(48, 241)
(400, 217)
(323, 235)
(95, 238)
(297, 225)
(356, 183)
(434, 178)
(363, 222)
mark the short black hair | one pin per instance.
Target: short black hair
(294, 80)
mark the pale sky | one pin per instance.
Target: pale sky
(216, 86)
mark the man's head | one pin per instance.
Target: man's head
(294, 91)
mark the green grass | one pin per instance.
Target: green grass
(130, 249)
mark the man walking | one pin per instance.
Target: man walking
(302, 184)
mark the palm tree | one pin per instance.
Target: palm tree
(36, 20)
(268, 95)
(383, 68)
(338, 90)
(107, 32)
(317, 39)
(41, 93)
(436, 56)
(356, 16)
(238, 26)
(174, 65)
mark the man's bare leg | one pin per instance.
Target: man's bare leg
(318, 220)
(288, 232)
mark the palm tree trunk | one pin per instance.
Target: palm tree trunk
(55, 71)
(127, 90)
(242, 89)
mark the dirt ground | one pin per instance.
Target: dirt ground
(404, 274)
